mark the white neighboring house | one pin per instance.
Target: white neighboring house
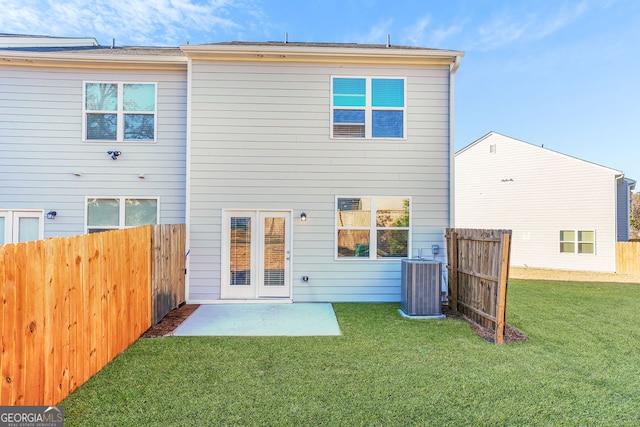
(565, 213)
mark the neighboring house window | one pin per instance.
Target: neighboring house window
(21, 226)
(119, 112)
(113, 213)
(578, 241)
(372, 227)
(367, 107)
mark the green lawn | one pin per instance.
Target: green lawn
(580, 366)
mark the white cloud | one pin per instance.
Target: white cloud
(513, 26)
(376, 35)
(420, 33)
(136, 22)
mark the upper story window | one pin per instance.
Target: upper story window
(373, 227)
(119, 112)
(365, 107)
(578, 241)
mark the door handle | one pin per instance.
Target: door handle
(288, 257)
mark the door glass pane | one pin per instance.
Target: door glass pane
(2, 225)
(240, 251)
(103, 212)
(274, 256)
(28, 229)
(140, 212)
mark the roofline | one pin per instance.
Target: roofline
(92, 60)
(318, 53)
(482, 138)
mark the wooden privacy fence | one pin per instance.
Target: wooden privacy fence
(478, 269)
(628, 258)
(69, 306)
(168, 269)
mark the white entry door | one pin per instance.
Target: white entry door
(256, 254)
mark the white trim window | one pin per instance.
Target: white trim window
(373, 227)
(368, 107)
(578, 241)
(21, 226)
(121, 112)
(114, 213)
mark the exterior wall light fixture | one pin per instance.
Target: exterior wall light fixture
(303, 217)
(114, 154)
(52, 214)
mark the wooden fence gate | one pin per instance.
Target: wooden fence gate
(478, 268)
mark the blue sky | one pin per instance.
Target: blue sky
(563, 73)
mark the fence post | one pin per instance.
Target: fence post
(502, 288)
(453, 262)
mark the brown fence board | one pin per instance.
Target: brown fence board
(478, 262)
(70, 305)
(628, 258)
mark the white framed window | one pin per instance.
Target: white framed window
(578, 241)
(368, 107)
(373, 227)
(120, 112)
(21, 226)
(114, 213)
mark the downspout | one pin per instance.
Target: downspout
(187, 201)
(452, 150)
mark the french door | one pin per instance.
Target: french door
(256, 254)
(20, 226)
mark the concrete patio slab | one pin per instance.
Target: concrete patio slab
(297, 319)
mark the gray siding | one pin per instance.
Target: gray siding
(260, 140)
(536, 193)
(41, 146)
(623, 201)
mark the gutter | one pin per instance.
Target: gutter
(452, 157)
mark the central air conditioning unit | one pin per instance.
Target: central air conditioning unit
(421, 288)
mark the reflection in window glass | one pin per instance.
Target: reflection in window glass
(103, 212)
(359, 237)
(139, 97)
(102, 126)
(392, 212)
(101, 96)
(354, 212)
(392, 243)
(139, 126)
(353, 243)
(240, 251)
(140, 212)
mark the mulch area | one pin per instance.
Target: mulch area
(171, 321)
(511, 334)
(178, 315)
